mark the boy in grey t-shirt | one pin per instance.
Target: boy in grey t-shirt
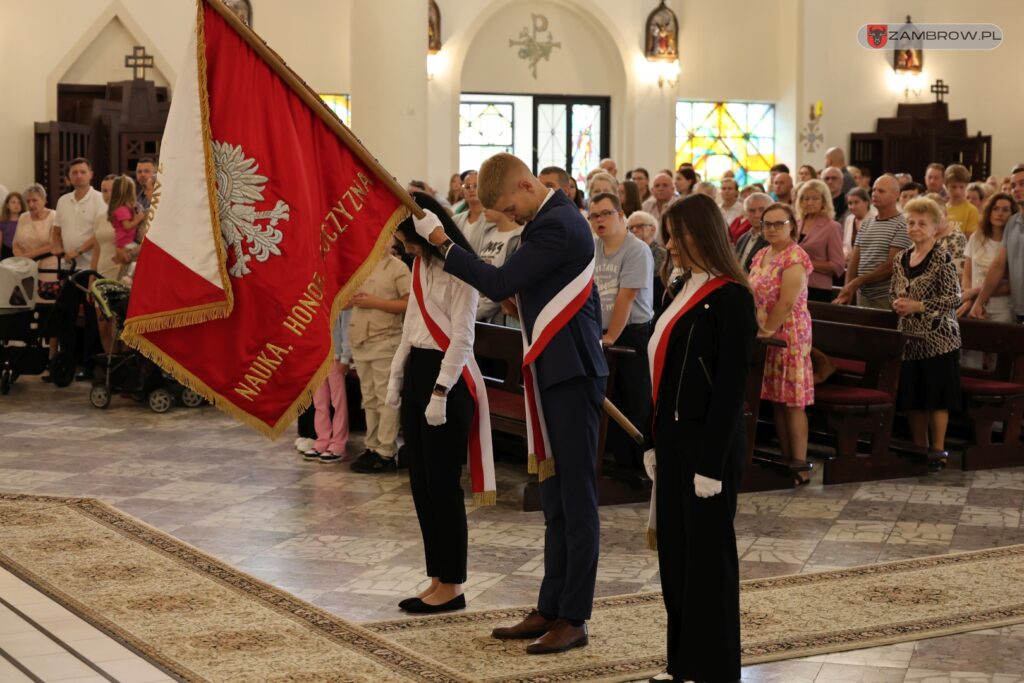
(624, 275)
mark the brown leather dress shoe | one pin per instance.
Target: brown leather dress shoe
(560, 637)
(534, 625)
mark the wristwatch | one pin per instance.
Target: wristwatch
(440, 389)
(445, 246)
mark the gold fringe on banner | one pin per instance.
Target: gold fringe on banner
(652, 539)
(546, 468)
(531, 463)
(484, 498)
(305, 398)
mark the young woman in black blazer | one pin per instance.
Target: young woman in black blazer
(700, 354)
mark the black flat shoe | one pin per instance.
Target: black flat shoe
(405, 603)
(417, 606)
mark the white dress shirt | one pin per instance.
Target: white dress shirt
(456, 299)
(76, 219)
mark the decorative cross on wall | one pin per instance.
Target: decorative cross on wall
(138, 61)
(940, 89)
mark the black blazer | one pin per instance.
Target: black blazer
(704, 379)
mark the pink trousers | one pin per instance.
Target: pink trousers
(331, 435)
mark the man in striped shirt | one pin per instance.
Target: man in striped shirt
(878, 242)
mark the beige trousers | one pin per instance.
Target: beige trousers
(381, 420)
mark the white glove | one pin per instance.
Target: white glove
(649, 463)
(435, 412)
(706, 487)
(426, 226)
(393, 399)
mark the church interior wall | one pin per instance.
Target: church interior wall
(857, 86)
(790, 52)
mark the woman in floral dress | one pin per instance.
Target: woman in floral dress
(778, 276)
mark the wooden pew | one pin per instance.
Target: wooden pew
(499, 352)
(989, 397)
(852, 404)
(994, 396)
(764, 472)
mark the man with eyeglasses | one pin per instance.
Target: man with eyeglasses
(624, 275)
(879, 240)
(752, 240)
(644, 227)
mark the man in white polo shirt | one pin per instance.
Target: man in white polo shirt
(74, 237)
(76, 215)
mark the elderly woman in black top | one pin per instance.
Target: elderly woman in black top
(699, 356)
(925, 292)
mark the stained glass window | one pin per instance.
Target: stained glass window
(586, 139)
(551, 135)
(340, 105)
(718, 136)
(485, 128)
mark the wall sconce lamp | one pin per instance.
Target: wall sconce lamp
(435, 64)
(667, 72)
(908, 65)
(661, 44)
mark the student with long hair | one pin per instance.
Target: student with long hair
(121, 214)
(442, 403)
(699, 360)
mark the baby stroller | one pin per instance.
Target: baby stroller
(27, 322)
(129, 371)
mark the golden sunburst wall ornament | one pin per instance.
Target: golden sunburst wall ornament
(531, 48)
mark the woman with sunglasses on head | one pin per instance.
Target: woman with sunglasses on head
(779, 275)
(699, 359)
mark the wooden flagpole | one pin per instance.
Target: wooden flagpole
(309, 96)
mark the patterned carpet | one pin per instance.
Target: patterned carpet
(202, 620)
(782, 617)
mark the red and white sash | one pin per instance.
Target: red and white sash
(658, 346)
(553, 317)
(481, 454)
(657, 350)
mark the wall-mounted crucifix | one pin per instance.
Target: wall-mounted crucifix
(138, 61)
(939, 89)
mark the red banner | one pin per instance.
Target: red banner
(295, 222)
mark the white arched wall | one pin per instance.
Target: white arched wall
(465, 21)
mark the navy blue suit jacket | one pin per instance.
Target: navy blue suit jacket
(556, 246)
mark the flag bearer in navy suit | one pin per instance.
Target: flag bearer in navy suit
(551, 278)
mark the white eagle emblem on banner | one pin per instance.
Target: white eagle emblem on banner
(239, 188)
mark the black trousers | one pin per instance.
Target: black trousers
(698, 561)
(306, 423)
(572, 530)
(69, 301)
(822, 295)
(435, 456)
(631, 393)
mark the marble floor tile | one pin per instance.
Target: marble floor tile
(976, 515)
(351, 544)
(859, 531)
(920, 533)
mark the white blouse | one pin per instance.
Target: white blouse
(456, 299)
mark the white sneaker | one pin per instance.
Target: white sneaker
(302, 445)
(663, 676)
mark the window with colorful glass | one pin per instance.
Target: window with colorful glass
(720, 136)
(341, 105)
